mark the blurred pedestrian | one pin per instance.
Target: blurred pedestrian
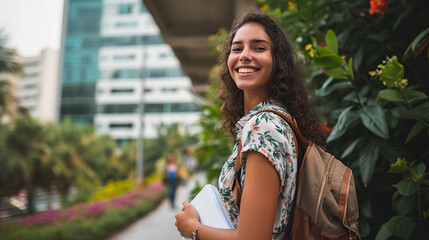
(172, 179)
(190, 162)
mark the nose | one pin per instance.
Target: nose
(245, 55)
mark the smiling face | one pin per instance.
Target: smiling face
(250, 62)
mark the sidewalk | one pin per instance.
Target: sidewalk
(159, 224)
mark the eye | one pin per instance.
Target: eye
(260, 48)
(236, 49)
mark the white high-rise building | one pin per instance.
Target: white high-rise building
(37, 86)
(131, 78)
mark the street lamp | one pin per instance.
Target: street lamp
(141, 121)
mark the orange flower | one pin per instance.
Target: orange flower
(378, 6)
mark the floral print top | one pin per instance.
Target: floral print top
(269, 134)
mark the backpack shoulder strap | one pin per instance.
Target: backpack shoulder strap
(292, 123)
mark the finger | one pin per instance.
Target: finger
(186, 204)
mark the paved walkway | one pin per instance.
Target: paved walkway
(159, 224)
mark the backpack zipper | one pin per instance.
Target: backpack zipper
(320, 194)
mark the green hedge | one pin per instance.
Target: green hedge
(101, 226)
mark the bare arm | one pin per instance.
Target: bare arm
(258, 205)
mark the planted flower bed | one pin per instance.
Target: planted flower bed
(94, 220)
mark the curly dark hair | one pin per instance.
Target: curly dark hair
(287, 84)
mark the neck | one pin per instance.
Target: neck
(251, 100)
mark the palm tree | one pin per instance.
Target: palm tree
(103, 159)
(28, 155)
(68, 166)
(8, 66)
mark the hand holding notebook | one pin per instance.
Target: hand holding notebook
(211, 208)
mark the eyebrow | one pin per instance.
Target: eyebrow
(252, 41)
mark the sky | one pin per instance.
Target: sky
(31, 25)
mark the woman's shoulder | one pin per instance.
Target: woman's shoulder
(268, 115)
(267, 122)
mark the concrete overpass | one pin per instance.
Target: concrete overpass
(186, 25)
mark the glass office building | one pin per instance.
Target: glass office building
(117, 71)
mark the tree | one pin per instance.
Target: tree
(28, 155)
(69, 144)
(8, 65)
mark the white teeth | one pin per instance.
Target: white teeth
(246, 70)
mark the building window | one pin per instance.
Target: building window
(122, 91)
(126, 25)
(163, 55)
(124, 57)
(31, 64)
(30, 86)
(32, 75)
(184, 107)
(154, 108)
(132, 40)
(169, 90)
(149, 108)
(127, 73)
(164, 72)
(121, 126)
(118, 108)
(125, 8)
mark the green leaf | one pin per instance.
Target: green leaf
(404, 112)
(327, 90)
(412, 47)
(365, 208)
(350, 69)
(327, 82)
(384, 232)
(364, 227)
(328, 61)
(416, 129)
(406, 204)
(401, 226)
(345, 121)
(373, 119)
(367, 160)
(353, 98)
(350, 148)
(412, 95)
(331, 41)
(337, 73)
(394, 95)
(392, 72)
(406, 187)
(320, 51)
(420, 169)
(391, 95)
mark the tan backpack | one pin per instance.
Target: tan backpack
(326, 205)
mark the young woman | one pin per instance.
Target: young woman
(259, 72)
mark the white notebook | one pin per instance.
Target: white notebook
(211, 208)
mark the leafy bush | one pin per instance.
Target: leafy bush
(371, 113)
(373, 122)
(112, 189)
(90, 221)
